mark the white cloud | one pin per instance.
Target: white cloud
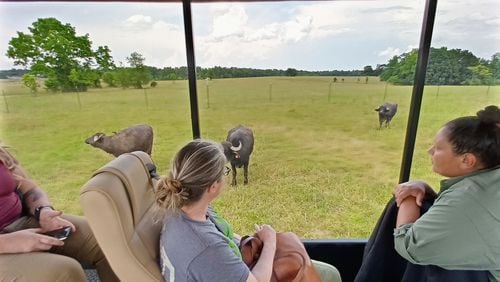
(389, 52)
(137, 23)
(229, 21)
(161, 25)
(326, 19)
(316, 35)
(233, 40)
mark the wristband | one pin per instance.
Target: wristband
(39, 209)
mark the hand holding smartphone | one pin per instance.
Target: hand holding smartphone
(61, 234)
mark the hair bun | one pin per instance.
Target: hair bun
(175, 184)
(490, 114)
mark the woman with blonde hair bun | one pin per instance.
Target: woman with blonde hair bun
(196, 244)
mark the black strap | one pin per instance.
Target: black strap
(152, 171)
(39, 209)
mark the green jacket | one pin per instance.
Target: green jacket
(461, 230)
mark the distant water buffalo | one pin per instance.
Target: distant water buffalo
(386, 112)
(134, 138)
(238, 147)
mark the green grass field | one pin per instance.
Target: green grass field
(320, 166)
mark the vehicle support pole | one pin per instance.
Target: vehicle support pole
(193, 96)
(418, 88)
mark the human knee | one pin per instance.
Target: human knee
(69, 270)
(327, 271)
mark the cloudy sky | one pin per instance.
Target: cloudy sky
(308, 35)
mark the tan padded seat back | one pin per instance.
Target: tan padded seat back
(118, 202)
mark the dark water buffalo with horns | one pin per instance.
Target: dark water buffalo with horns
(238, 147)
(386, 112)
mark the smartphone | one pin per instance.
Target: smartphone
(61, 234)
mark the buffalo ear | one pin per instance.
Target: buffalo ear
(98, 137)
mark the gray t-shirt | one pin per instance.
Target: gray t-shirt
(196, 251)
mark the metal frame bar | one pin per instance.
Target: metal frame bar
(193, 95)
(418, 89)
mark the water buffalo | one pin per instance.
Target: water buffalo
(134, 138)
(386, 112)
(238, 147)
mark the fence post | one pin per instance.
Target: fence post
(385, 91)
(146, 98)
(78, 98)
(208, 96)
(5, 99)
(329, 91)
(437, 92)
(270, 91)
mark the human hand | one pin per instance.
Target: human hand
(266, 233)
(28, 240)
(52, 220)
(416, 188)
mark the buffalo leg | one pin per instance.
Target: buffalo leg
(245, 172)
(233, 181)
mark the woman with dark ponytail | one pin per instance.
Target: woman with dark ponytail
(461, 230)
(196, 244)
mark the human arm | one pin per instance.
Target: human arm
(26, 241)
(417, 189)
(409, 196)
(263, 269)
(34, 197)
(446, 236)
(408, 211)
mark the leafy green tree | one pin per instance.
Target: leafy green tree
(291, 72)
(52, 49)
(172, 76)
(450, 67)
(123, 77)
(29, 81)
(379, 69)
(109, 78)
(82, 79)
(139, 74)
(104, 59)
(408, 63)
(495, 67)
(368, 70)
(481, 74)
(136, 60)
(391, 69)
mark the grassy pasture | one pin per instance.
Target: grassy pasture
(320, 167)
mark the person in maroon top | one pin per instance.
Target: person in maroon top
(26, 254)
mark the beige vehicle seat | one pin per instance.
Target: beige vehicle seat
(118, 202)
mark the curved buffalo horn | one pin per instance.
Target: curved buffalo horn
(236, 149)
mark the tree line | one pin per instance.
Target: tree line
(66, 62)
(445, 67)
